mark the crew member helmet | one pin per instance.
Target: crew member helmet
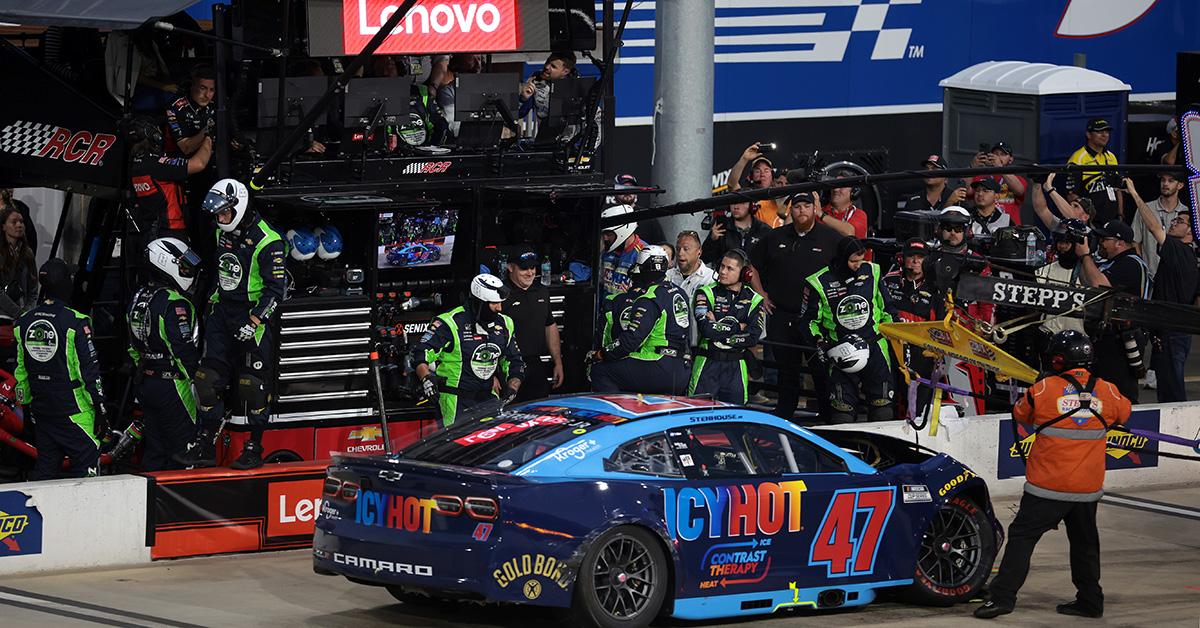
(485, 289)
(174, 261)
(622, 231)
(228, 194)
(652, 259)
(302, 243)
(1069, 349)
(851, 354)
(329, 242)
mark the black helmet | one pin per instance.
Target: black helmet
(144, 129)
(1069, 349)
(55, 279)
(846, 247)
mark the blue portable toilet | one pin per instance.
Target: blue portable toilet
(1039, 109)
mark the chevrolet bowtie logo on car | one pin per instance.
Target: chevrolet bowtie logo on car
(38, 139)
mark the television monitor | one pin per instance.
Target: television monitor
(365, 95)
(475, 95)
(300, 92)
(416, 238)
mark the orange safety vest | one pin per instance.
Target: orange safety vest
(1071, 421)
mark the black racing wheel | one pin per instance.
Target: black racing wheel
(956, 555)
(622, 580)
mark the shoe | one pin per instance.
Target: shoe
(1078, 610)
(200, 453)
(759, 399)
(991, 610)
(1151, 380)
(251, 457)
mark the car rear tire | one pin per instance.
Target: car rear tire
(955, 556)
(622, 580)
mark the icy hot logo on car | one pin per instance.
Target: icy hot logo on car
(37, 139)
(731, 511)
(399, 512)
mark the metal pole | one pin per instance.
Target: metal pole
(608, 113)
(681, 158)
(221, 60)
(281, 95)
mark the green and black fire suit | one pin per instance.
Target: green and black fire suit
(729, 323)
(841, 304)
(58, 380)
(649, 352)
(468, 355)
(251, 281)
(162, 343)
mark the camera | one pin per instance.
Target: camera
(1073, 230)
(1114, 180)
(712, 216)
(767, 147)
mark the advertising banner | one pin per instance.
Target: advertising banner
(20, 525)
(1009, 464)
(440, 27)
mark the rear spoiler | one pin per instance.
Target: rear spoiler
(428, 469)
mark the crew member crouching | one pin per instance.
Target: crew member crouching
(730, 319)
(1070, 411)
(649, 351)
(469, 347)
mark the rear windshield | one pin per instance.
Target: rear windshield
(508, 440)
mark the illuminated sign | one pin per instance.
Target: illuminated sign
(432, 26)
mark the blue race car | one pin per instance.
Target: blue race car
(621, 508)
(414, 253)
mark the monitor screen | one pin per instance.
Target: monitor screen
(416, 238)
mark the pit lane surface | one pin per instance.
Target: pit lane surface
(1151, 576)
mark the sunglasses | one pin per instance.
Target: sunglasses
(954, 228)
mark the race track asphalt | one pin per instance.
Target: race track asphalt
(1151, 577)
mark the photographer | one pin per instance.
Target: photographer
(1176, 282)
(735, 229)
(1064, 271)
(762, 176)
(1080, 209)
(1118, 346)
(1010, 188)
(938, 192)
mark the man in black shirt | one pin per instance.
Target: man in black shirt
(938, 192)
(537, 334)
(782, 260)
(1176, 282)
(738, 229)
(1118, 346)
(160, 205)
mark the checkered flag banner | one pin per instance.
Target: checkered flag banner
(25, 138)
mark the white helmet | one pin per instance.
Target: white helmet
(850, 355)
(174, 260)
(228, 194)
(488, 288)
(652, 259)
(623, 231)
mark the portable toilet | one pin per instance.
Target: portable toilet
(1039, 109)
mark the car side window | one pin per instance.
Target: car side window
(719, 451)
(650, 455)
(776, 452)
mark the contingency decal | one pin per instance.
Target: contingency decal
(729, 564)
(847, 543)
(20, 525)
(527, 569)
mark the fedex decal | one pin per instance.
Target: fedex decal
(293, 507)
(37, 139)
(731, 511)
(432, 26)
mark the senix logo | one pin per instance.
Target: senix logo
(776, 38)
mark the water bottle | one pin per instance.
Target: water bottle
(545, 272)
(1031, 248)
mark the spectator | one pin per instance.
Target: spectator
(1176, 282)
(192, 118)
(621, 248)
(689, 272)
(8, 202)
(669, 249)
(762, 175)
(842, 215)
(1164, 209)
(1172, 156)
(1011, 194)
(938, 192)
(738, 229)
(650, 230)
(1109, 204)
(18, 272)
(987, 218)
(535, 91)
(1081, 208)
(443, 82)
(1122, 270)
(528, 306)
(782, 260)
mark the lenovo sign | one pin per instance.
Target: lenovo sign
(292, 507)
(432, 26)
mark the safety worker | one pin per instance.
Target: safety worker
(730, 319)
(58, 379)
(915, 299)
(1070, 411)
(846, 303)
(158, 181)
(649, 352)
(251, 281)
(621, 248)
(162, 343)
(468, 352)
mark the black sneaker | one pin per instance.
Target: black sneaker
(1078, 610)
(200, 453)
(990, 610)
(251, 457)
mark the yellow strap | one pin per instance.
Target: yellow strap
(936, 411)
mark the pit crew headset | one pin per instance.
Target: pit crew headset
(1068, 349)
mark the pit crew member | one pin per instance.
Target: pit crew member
(159, 199)
(621, 248)
(730, 318)
(467, 352)
(915, 299)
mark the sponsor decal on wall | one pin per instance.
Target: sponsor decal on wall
(20, 525)
(1010, 464)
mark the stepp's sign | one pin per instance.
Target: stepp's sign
(432, 26)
